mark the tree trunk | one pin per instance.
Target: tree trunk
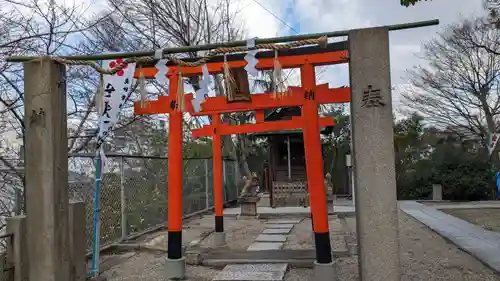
(494, 157)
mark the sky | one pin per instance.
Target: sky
(271, 18)
(312, 16)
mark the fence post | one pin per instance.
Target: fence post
(206, 185)
(76, 236)
(17, 202)
(17, 250)
(123, 211)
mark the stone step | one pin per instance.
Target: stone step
(249, 276)
(271, 238)
(276, 231)
(265, 246)
(280, 225)
(257, 267)
(266, 256)
(252, 272)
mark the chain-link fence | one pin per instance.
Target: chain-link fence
(134, 192)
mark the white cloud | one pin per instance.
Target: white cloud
(327, 15)
(259, 22)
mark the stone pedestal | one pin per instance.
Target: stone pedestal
(249, 206)
(176, 268)
(325, 271)
(220, 239)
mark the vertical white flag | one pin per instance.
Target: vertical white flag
(115, 92)
(116, 89)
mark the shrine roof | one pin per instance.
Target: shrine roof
(278, 114)
(324, 130)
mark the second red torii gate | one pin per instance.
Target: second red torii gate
(216, 130)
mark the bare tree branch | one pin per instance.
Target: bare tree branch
(460, 87)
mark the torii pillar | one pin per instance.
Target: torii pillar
(175, 262)
(324, 265)
(220, 235)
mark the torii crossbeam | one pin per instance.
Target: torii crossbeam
(296, 122)
(216, 105)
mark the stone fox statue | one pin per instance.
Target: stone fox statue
(250, 187)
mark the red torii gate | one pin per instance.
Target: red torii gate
(308, 97)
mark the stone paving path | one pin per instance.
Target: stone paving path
(463, 205)
(272, 238)
(473, 239)
(275, 230)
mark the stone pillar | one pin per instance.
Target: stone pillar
(46, 169)
(373, 155)
(77, 248)
(437, 192)
(17, 251)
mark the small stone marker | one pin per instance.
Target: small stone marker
(270, 238)
(437, 192)
(277, 231)
(265, 246)
(285, 225)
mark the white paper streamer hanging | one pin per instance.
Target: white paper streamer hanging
(204, 88)
(161, 75)
(492, 142)
(250, 58)
(104, 166)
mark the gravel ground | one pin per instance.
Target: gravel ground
(301, 236)
(486, 218)
(192, 229)
(239, 233)
(150, 267)
(424, 256)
